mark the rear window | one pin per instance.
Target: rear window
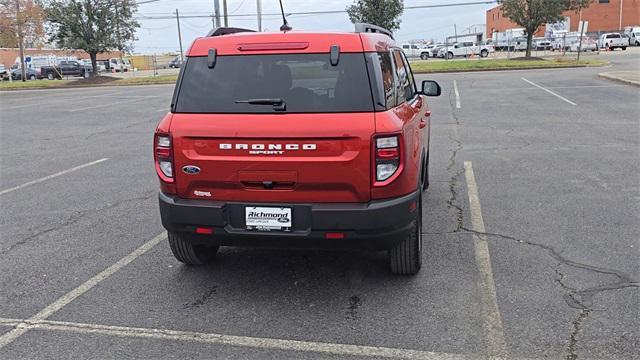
(307, 83)
(613, 36)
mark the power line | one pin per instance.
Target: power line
(325, 12)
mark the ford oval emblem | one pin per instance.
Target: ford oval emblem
(191, 169)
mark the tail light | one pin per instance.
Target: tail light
(164, 157)
(387, 158)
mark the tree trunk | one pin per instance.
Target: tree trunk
(94, 63)
(529, 42)
(23, 70)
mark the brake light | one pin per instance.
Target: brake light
(387, 157)
(164, 158)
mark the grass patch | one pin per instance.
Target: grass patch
(99, 81)
(430, 66)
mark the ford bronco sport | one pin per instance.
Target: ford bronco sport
(295, 139)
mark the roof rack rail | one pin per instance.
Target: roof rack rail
(227, 30)
(369, 28)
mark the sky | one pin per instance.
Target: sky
(157, 36)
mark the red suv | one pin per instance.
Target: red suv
(295, 139)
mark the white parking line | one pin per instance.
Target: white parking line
(550, 92)
(52, 176)
(21, 329)
(232, 340)
(493, 320)
(455, 90)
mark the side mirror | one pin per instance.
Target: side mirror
(431, 88)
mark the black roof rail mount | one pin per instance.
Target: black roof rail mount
(226, 31)
(369, 28)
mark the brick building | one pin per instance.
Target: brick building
(602, 15)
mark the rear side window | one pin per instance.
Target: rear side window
(382, 82)
(410, 92)
(404, 86)
(307, 83)
(613, 36)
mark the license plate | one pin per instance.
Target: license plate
(268, 218)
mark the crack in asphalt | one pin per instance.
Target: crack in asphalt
(72, 219)
(202, 299)
(577, 299)
(453, 181)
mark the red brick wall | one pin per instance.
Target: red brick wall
(601, 17)
(8, 56)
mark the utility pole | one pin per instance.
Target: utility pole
(259, 11)
(23, 71)
(179, 37)
(216, 12)
(226, 13)
(118, 38)
(621, 1)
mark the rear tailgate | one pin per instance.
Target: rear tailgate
(282, 158)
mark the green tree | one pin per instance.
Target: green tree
(95, 26)
(21, 22)
(531, 14)
(383, 13)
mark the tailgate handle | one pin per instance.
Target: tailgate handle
(268, 185)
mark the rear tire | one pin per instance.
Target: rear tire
(484, 53)
(406, 257)
(186, 252)
(449, 55)
(624, 48)
(424, 56)
(32, 77)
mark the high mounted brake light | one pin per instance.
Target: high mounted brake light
(387, 157)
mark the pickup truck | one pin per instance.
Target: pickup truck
(466, 48)
(65, 68)
(612, 41)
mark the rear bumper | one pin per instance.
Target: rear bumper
(375, 225)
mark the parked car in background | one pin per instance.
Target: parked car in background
(3, 72)
(32, 74)
(467, 48)
(118, 65)
(66, 68)
(542, 45)
(613, 41)
(634, 38)
(175, 63)
(411, 50)
(588, 44)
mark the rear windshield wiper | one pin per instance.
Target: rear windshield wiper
(277, 103)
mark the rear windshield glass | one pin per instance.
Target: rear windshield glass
(613, 36)
(306, 83)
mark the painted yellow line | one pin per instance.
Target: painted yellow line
(492, 319)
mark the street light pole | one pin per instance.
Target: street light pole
(259, 12)
(226, 13)
(179, 36)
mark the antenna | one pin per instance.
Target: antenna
(285, 25)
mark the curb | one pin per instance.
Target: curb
(619, 79)
(82, 86)
(509, 69)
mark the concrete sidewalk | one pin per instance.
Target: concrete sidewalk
(627, 77)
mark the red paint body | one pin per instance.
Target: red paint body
(340, 170)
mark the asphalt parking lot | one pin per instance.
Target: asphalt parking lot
(531, 225)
